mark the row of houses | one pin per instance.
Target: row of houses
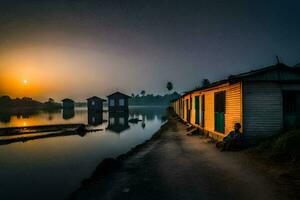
(117, 102)
(263, 101)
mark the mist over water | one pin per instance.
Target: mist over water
(54, 167)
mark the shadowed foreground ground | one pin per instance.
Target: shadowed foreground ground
(177, 166)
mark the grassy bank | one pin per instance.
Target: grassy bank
(283, 147)
(279, 158)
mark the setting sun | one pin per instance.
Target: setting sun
(25, 81)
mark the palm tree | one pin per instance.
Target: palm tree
(143, 92)
(205, 82)
(170, 86)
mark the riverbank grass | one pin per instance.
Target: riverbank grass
(283, 147)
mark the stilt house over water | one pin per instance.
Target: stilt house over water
(95, 104)
(263, 101)
(118, 102)
(68, 103)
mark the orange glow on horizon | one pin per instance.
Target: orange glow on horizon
(42, 71)
(11, 85)
(15, 74)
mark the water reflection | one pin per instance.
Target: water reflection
(118, 122)
(68, 113)
(79, 115)
(143, 125)
(145, 113)
(73, 158)
(95, 118)
(5, 118)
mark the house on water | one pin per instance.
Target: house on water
(68, 103)
(118, 102)
(263, 101)
(95, 104)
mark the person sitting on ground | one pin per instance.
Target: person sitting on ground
(232, 141)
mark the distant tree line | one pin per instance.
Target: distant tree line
(151, 100)
(7, 103)
(142, 99)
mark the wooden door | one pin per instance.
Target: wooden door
(291, 109)
(197, 110)
(220, 101)
(202, 111)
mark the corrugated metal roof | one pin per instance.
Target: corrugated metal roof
(243, 76)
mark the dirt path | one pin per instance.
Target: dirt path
(177, 166)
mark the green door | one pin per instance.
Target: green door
(197, 113)
(219, 122)
(202, 111)
(220, 111)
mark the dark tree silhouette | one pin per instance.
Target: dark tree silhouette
(151, 99)
(170, 86)
(205, 82)
(50, 100)
(5, 99)
(143, 92)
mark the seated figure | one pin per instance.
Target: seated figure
(233, 141)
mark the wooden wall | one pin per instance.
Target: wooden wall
(262, 109)
(257, 106)
(233, 112)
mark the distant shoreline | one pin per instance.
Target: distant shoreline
(5, 108)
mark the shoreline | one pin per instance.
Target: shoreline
(109, 165)
(117, 176)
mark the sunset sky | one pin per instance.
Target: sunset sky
(76, 49)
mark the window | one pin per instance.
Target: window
(220, 102)
(93, 103)
(112, 102)
(121, 102)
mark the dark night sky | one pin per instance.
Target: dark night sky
(134, 44)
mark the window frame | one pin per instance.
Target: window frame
(112, 103)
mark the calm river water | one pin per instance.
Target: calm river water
(54, 167)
